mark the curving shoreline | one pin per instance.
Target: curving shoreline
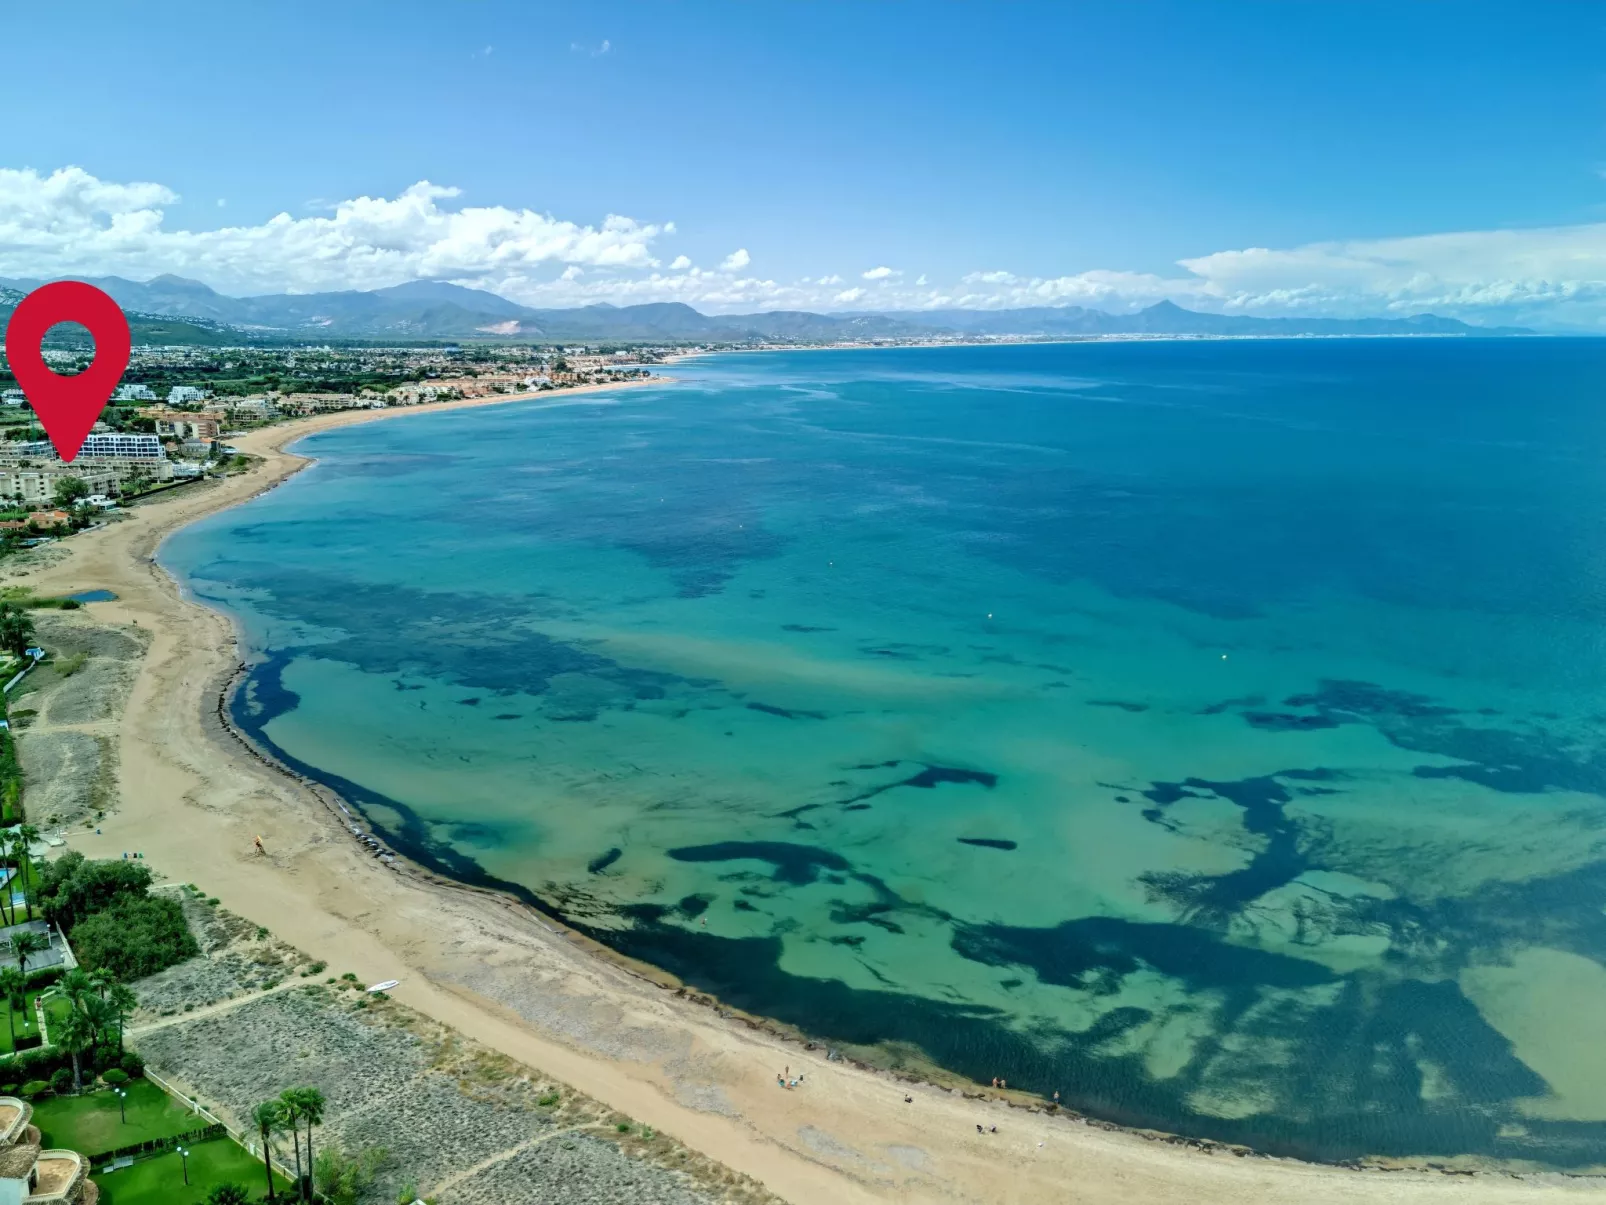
(193, 793)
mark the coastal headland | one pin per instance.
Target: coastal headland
(192, 798)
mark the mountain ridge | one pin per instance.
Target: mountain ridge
(424, 309)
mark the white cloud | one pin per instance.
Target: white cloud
(71, 223)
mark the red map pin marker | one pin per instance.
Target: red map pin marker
(68, 406)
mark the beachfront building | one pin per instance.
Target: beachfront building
(123, 445)
(185, 424)
(30, 1175)
(253, 409)
(38, 483)
(318, 403)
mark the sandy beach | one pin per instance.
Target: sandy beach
(191, 798)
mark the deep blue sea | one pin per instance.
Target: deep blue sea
(1208, 731)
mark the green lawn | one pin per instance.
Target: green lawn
(92, 1125)
(27, 1023)
(160, 1181)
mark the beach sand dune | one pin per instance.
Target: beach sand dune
(191, 798)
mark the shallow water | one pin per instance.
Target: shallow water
(1206, 731)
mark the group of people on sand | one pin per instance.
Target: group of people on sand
(787, 1080)
(998, 1083)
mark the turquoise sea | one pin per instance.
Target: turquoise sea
(1208, 731)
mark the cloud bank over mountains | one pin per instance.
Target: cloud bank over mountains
(71, 223)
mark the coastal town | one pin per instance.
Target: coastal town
(174, 418)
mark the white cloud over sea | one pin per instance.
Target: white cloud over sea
(68, 222)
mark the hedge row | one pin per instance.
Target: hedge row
(159, 1144)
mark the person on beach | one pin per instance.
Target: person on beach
(261, 849)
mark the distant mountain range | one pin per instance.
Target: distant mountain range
(171, 309)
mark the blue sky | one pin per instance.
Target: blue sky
(1007, 154)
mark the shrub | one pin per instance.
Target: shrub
(132, 1065)
(134, 937)
(342, 1178)
(227, 1194)
(547, 1101)
(114, 1076)
(61, 1080)
(33, 1088)
(72, 887)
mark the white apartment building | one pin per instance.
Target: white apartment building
(181, 395)
(12, 397)
(135, 393)
(123, 445)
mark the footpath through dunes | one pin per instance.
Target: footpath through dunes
(192, 800)
(251, 1017)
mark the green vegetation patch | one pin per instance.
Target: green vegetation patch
(112, 920)
(92, 1125)
(160, 1181)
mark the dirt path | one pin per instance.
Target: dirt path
(211, 1010)
(485, 1165)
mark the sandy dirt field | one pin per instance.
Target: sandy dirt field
(191, 798)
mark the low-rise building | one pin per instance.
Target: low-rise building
(38, 483)
(249, 408)
(185, 424)
(49, 518)
(182, 395)
(135, 393)
(316, 403)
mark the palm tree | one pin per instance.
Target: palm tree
(77, 985)
(16, 629)
(27, 835)
(25, 944)
(13, 987)
(269, 1116)
(8, 848)
(100, 1016)
(290, 1110)
(100, 979)
(311, 1103)
(76, 1033)
(122, 1001)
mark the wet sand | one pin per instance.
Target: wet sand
(192, 796)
